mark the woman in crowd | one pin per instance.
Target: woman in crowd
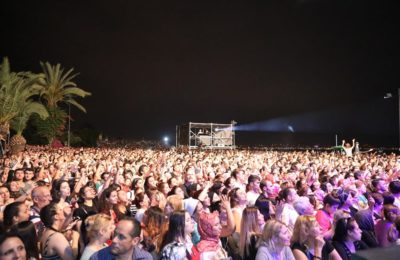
(178, 236)
(210, 231)
(366, 223)
(154, 226)
(54, 244)
(174, 203)
(238, 200)
(150, 183)
(15, 213)
(86, 204)
(100, 228)
(250, 231)
(12, 247)
(61, 192)
(176, 190)
(27, 232)
(275, 242)
(5, 193)
(142, 203)
(307, 240)
(346, 239)
(325, 215)
(108, 202)
(163, 187)
(382, 227)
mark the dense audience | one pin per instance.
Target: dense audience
(135, 203)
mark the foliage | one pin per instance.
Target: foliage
(59, 87)
(16, 97)
(53, 125)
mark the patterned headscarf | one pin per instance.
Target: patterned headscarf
(209, 241)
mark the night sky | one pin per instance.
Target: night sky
(151, 65)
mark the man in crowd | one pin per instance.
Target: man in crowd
(41, 197)
(124, 244)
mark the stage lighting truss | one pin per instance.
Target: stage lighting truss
(206, 136)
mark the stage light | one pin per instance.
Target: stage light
(166, 139)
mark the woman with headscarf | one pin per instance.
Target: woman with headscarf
(210, 230)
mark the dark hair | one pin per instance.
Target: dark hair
(134, 182)
(331, 200)
(343, 226)
(234, 173)
(82, 192)
(390, 212)
(285, 193)
(160, 186)
(378, 198)
(141, 169)
(104, 205)
(11, 211)
(176, 228)
(374, 182)
(228, 181)
(253, 178)
(324, 186)
(4, 237)
(388, 198)
(146, 182)
(56, 187)
(233, 196)
(103, 175)
(216, 187)
(47, 214)
(357, 175)
(343, 196)
(27, 232)
(136, 230)
(173, 190)
(394, 187)
(139, 197)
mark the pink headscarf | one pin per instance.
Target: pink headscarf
(209, 241)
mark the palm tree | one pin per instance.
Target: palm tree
(19, 123)
(15, 90)
(58, 88)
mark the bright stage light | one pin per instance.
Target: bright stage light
(166, 139)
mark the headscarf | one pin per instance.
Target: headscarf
(209, 241)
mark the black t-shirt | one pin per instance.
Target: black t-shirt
(344, 252)
(326, 250)
(262, 203)
(84, 211)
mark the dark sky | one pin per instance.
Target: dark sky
(152, 65)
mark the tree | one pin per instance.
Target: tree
(16, 93)
(19, 123)
(59, 88)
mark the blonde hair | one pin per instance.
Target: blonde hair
(270, 233)
(249, 227)
(176, 202)
(302, 228)
(95, 223)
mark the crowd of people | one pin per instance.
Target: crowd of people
(123, 203)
